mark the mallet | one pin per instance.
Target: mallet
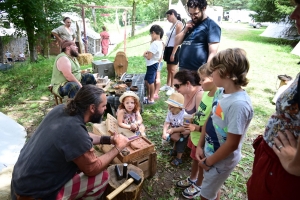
(132, 177)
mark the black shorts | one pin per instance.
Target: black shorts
(167, 54)
(10, 59)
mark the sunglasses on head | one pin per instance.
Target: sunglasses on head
(177, 86)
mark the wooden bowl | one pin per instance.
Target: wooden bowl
(134, 88)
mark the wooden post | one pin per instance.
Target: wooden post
(84, 30)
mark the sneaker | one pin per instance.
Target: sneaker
(170, 91)
(185, 183)
(164, 88)
(192, 191)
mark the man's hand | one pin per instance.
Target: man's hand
(189, 25)
(120, 141)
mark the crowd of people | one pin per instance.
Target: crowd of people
(209, 86)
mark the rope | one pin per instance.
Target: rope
(136, 45)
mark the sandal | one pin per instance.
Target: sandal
(145, 100)
(176, 162)
(185, 183)
(173, 152)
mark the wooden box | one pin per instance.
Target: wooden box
(147, 163)
(146, 148)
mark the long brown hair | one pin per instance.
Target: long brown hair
(86, 96)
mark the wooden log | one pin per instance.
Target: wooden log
(133, 191)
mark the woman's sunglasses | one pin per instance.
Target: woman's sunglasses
(177, 86)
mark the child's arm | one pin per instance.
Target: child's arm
(120, 116)
(229, 146)
(200, 151)
(166, 126)
(148, 55)
(139, 118)
(176, 130)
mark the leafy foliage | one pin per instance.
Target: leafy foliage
(230, 4)
(271, 10)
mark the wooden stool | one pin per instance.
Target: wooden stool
(133, 191)
(50, 87)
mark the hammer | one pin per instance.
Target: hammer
(132, 177)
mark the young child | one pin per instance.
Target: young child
(152, 57)
(219, 149)
(191, 184)
(173, 127)
(128, 114)
(160, 65)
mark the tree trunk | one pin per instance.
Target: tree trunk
(133, 18)
(32, 45)
(1, 51)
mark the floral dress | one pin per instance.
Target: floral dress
(287, 116)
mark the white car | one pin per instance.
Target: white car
(255, 24)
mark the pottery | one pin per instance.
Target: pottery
(128, 82)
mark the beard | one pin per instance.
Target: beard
(199, 20)
(73, 53)
(96, 117)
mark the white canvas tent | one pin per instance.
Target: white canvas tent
(283, 30)
(181, 10)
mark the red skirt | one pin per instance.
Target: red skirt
(269, 180)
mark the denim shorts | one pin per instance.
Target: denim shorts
(160, 66)
(151, 73)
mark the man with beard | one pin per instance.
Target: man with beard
(66, 74)
(58, 161)
(199, 39)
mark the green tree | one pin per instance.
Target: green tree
(230, 4)
(32, 18)
(271, 10)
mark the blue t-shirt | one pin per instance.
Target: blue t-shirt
(194, 49)
(45, 163)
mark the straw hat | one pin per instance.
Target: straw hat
(128, 94)
(176, 99)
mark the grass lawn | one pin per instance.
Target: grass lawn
(24, 97)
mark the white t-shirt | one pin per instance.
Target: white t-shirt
(156, 49)
(175, 120)
(21, 55)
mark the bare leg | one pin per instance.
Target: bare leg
(148, 89)
(157, 83)
(171, 73)
(151, 91)
(194, 172)
(200, 176)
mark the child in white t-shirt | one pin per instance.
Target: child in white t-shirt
(152, 57)
(173, 127)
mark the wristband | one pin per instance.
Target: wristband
(118, 149)
(204, 163)
(105, 140)
(172, 54)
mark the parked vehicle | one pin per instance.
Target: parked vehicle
(239, 16)
(255, 24)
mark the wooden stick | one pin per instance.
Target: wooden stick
(119, 189)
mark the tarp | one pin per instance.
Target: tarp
(12, 139)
